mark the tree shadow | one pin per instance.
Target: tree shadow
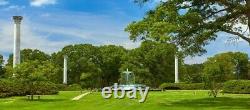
(219, 102)
(43, 100)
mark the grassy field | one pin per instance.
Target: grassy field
(169, 100)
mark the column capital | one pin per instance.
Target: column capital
(17, 19)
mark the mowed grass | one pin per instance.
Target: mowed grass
(168, 100)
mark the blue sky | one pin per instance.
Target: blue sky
(49, 25)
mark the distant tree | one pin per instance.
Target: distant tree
(81, 58)
(36, 77)
(152, 63)
(192, 73)
(110, 63)
(192, 24)
(30, 55)
(223, 67)
(248, 77)
(35, 70)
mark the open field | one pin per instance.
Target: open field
(169, 100)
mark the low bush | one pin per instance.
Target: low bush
(237, 87)
(182, 86)
(13, 87)
(73, 87)
(43, 88)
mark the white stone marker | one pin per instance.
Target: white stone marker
(176, 69)
(17, 33)
(65, 69)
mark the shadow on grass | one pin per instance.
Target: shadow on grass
(219, 102)
(43, 100)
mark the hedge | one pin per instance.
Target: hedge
(11, 87)
(72, 87)
(237, 87)
(182, 86)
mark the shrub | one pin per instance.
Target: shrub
(13, 87)
(73, 87)
(237, 87)
(43, 88)
(182, 86)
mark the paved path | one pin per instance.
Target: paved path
(80, 96)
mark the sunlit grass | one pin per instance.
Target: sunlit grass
(168, 100)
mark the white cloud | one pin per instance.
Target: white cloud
(38, 3)
(29, 39)
(14, 7)
(3, 2)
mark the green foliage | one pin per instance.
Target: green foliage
(30, 55)
(192, 73)
(227, 66)
(11, 87)
(17, 87)
(237, 87)
(31, 78)
(152, 63)
(72, 87)
(192, 24)
(182, 86)
(223, 67)
(42, 88)
(82, 58)
(35, 71)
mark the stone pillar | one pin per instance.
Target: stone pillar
(176, 69)
(65, 69)
(17, 33)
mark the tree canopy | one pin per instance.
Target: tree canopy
(30, 55)
(192, 24)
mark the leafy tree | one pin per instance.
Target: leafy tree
(81, 58)
(192, 24)
(223, 67)
(35, 76)
(152, 63)
(35, 70)
(248, 77)
(110, 63)
(192, 73)
(30, 55)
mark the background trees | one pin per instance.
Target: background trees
(192, 73)
(30, 55)
(223, 67)
(152, 63)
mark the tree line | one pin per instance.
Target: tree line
(100, 66)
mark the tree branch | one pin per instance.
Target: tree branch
(237, 34)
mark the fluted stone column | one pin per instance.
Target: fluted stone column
(65, 69)
(176, 69)
(17, 33)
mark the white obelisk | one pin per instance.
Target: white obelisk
(65, 70)
(176, 69)
(17, 33)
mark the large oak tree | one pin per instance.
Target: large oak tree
(192, 24)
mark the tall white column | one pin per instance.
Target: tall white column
(176, 69)
(17, 33)
(65, 69)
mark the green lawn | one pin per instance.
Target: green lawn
(169, 100)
